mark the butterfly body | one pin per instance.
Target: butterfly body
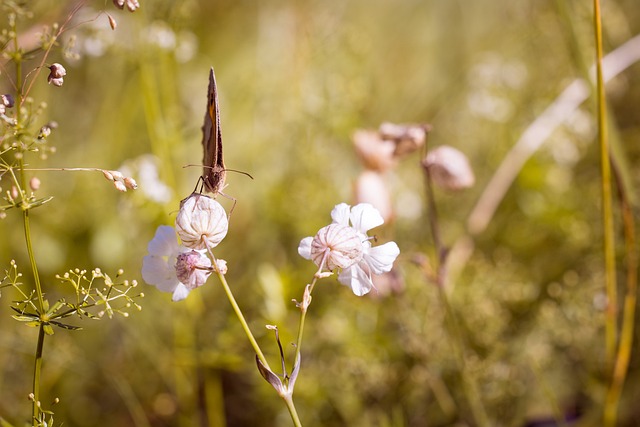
(213, 171)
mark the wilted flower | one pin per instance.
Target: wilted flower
(56, 74)
(374, 152)
(6, 101)
(406, 137)
(449, 168)
(339, 242)
(174, 268)
(202, 222)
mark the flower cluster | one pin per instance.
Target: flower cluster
(201, 225)
(344, 245)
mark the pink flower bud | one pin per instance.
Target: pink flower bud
(130, 183)
(120, 186)
(34, 183)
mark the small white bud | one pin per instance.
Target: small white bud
(130, 183)
(120, 186)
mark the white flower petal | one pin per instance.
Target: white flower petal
(164, 243)
(304, 248)
(364, 217)
(380, 258)
(340, 214)
(357, 278)
(180, 293)
(157, 272)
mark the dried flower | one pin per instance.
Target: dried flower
(374, 152)
(449, 168)
(406, 137)
(357, 266)
(174, 268)
(7, 100)
(56, 74)
(201, 222)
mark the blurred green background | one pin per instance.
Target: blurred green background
(295, 80)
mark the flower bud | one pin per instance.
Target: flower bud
(112, 22)
(132, 5)
(201, 222)
(120, 186)
(449, 168)
(222, 266)
(107, 174)
(130, 183)
(340, 244)
(34, 183)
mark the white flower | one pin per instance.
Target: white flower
(356, 270)
(334, 246)
(201, 223)
(174, 268)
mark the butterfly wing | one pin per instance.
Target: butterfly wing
(213, 171)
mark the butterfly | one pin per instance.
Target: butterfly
(213, 170)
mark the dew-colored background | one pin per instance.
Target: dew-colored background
(296, 79)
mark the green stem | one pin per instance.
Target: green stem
(288, 399)
(242, 320)
(607, 203)
(37, 368)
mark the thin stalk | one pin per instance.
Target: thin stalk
(469, 384)
(628, 319)
(607, 200)
(37, 369)
(241, 318)
(288, 399)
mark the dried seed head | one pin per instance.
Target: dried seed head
(338, 245)
(449, 168)
(201, 222)
(374, 152)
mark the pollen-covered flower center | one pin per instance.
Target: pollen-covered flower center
(338, 245)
